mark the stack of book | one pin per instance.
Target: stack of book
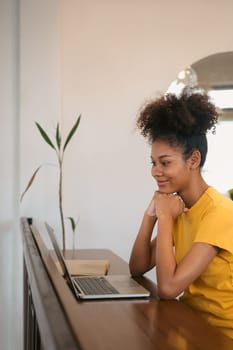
(86, 267)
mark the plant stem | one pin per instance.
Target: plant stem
(60, 206)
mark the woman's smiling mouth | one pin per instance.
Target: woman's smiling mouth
(162, 183)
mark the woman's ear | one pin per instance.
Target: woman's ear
(195, 159)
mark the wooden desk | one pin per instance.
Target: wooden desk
(143, 324)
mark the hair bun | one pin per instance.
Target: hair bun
(192, 113)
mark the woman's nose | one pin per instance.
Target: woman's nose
(156, 171)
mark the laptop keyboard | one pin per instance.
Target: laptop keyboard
(95, 285)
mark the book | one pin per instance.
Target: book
(86, 267)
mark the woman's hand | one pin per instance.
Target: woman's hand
(168, 205)
(151, 210)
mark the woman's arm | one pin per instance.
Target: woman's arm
(173, 278)
(142, 257)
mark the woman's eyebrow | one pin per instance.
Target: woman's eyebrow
(162, 156)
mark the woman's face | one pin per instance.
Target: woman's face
(170, 170)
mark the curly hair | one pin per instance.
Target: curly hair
(181, 121)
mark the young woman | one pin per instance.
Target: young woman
(193, 246)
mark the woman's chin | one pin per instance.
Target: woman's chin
(166, 190)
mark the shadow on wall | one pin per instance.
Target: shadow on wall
(10, 275)
(5, 226)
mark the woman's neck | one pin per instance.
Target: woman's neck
(194, 192)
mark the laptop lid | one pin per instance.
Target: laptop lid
(125, 285)
(60, 257)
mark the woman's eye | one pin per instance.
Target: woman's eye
(165, 163)
(152, 162)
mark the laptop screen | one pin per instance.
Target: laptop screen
(59, 255)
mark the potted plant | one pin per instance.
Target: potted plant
(59, 147)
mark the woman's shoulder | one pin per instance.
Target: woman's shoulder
(218, 199)
(216, 225)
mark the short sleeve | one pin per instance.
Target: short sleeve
(216, 229)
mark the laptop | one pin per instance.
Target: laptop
(97, 287)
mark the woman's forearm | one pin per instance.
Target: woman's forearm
(142, 256)
(166, 262)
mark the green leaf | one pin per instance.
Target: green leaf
(30, 182)
(58, 136)
(71, 133)
(72, 222)
(45, 136)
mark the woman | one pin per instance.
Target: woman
(193, 247)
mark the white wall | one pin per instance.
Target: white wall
(28, 35)
(102, 59)
(39, 98)
(114, 55)
(9, 234)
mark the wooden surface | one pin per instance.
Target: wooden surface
(143, 324)
(45, 323)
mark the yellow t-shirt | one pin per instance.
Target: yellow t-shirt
(210, 220)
